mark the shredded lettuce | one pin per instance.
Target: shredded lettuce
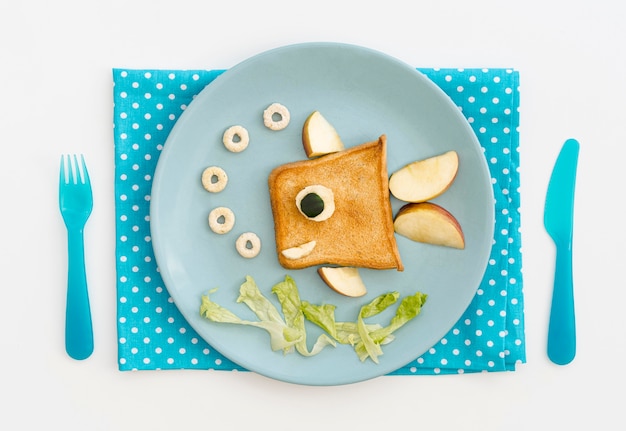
(377, 306)
(367, 339)
(289, 298)
(288, 333)
(323, 316)
(407, 310)
(281, 336)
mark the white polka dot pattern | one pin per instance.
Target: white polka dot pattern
(490, 335)
(152, 334)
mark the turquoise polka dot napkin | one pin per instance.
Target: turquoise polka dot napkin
(152, 334)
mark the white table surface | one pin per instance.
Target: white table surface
(55, 97)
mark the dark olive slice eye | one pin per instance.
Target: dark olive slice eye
(316, 202)
(312, 205)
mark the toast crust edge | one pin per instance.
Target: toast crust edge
(392, 259)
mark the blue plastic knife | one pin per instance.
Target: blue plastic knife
(559, 223)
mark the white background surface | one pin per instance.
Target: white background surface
(55, 97)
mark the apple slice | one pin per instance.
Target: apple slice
(345, 280)
(425, 179)
(319, 137)
(429, 223)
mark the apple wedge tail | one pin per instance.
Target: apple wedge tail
(429, 223)
(319, 137)
(344, 280)
(425, 179)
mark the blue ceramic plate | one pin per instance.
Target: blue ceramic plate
(364, 94)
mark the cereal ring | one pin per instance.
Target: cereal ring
(214, 179)
(221, 220)
(278, 110)
(248, 245)
(236, 139)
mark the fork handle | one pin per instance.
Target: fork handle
(78, 327)
(562, 327)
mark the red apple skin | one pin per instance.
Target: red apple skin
(423, 180)
(351, 290)
(429, 223)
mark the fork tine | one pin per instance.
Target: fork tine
(79, 170)
(75, 173)
(62, 175)
(84, 170)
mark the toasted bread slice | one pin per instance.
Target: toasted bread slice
(359, 232)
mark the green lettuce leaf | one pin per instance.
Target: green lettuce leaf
(288, 332)
(323, 316)
(250, 295)
(377, 306)
(408, 309)
(280, 337)
(289, 298)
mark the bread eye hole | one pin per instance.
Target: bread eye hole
(316, 202)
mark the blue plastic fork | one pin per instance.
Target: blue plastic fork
(76, 203)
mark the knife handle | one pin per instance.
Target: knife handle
(562, 329)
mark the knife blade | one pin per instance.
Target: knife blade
(559, 223)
